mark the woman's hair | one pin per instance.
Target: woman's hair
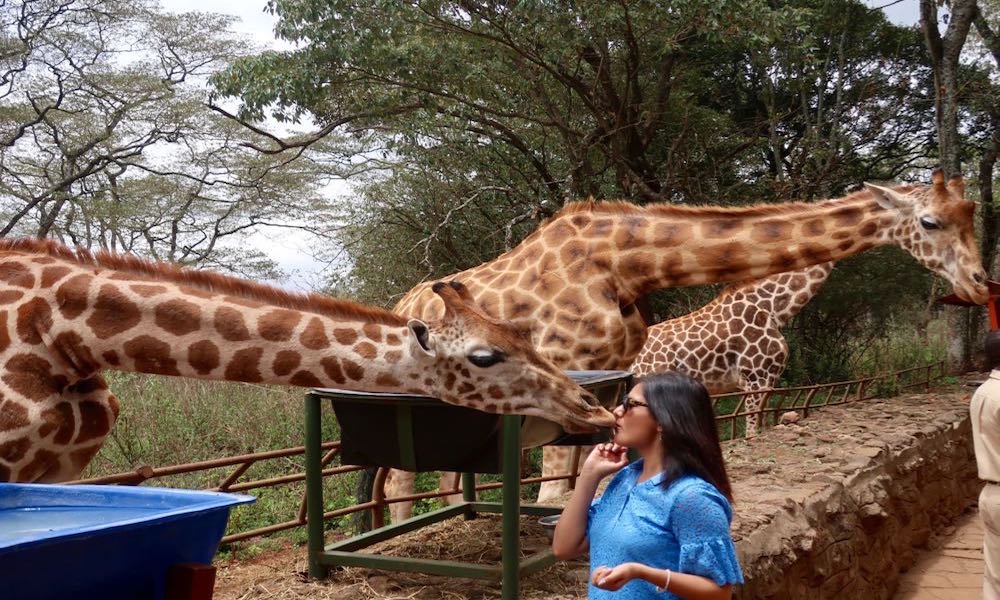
(683, 409)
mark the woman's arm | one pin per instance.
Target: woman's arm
(570, 537)
(690, 587)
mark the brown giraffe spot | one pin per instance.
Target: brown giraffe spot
(313, 336)
(815, 227)
(150, 355)
(393, 356)
(177, 316)
(17, 274)
(331, 366)
(230, 325)
(71, 296)
(278, 325)
(240, 301)
(305, 379)
(111, 357)
(113, 313)
(783, 261)
(245, 365)
(449, 381)
(50, 275)
(59, 419)
(82, 457)
(352, 369)
(386, 380)
(722, 256)
(123, 276)
(14, 450)
(465, 387)
(8, 296)
(720, 228)
(147, 290)
(203, 356)
(285, 361)
(495, 392)
(600, 228)
(94, 422)
(671, 234)
(637, 266)
(43, 260)
(573, 251)
(771, 230)
(31, 376)
(847, 216)
(13, 415)
(868, 229)
(5, 474)
(393, 340)
(42, 462)
(345, 336)
(372, 332)
(4, 335)
(365, 350)
(75, 355)
(34, 318)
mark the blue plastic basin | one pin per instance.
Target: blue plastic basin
(96, 541)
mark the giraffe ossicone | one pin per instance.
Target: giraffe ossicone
(575, 281)
(66, 315)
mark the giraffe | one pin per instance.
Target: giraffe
(66, 315)
(573, 283)
(734, 342)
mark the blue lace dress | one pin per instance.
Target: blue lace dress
(684, 528)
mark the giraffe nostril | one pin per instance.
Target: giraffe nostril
(980, 277)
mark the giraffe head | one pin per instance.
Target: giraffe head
(484, 363)
(935, 224)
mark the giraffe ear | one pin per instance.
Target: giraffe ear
(420, 336)
(888, 198)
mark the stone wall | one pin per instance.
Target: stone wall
(838, 505)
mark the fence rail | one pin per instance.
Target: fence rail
(730, 409)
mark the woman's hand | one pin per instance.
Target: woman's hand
(604, 460)
(612, 579)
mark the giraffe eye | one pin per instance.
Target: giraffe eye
(486, 358)
(929, 223)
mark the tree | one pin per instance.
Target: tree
(106, 140)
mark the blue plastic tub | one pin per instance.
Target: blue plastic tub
(95, 541)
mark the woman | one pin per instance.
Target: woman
(661, 528)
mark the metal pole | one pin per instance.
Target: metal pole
(511, 552)
(314, 484)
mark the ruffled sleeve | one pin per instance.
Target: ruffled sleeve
(700, 520)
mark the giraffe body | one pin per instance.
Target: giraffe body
(574, 282)
(67, 315)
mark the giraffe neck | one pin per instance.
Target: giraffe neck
(668, 246)
(170, 329)
(783, 295)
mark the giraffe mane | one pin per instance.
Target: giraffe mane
(623, 207)
(206, 280)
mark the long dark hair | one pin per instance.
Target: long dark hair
(683, 409)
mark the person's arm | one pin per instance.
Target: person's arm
(690, 587)
(570, 537)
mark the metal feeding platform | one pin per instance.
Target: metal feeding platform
(420, 433)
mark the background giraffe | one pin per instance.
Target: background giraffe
(573, 283)
(734, 342)
(66, 315)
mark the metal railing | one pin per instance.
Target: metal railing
(730, 408)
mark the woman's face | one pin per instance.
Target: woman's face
(635, 426)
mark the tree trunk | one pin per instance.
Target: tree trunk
(944, 54)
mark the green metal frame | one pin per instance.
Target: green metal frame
(345, 553)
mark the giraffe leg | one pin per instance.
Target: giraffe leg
(754, 382)
(400, 483)
(67, 435)
(555, 461)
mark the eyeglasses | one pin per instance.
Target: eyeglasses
(630, 403)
